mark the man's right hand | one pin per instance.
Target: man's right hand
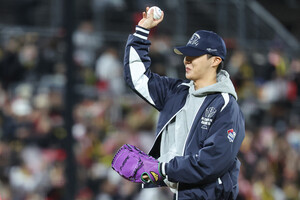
(148, 21)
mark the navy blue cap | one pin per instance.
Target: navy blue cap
(203, 42)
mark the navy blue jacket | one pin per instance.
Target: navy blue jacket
(209, 166)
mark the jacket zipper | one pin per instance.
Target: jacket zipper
(159, 135)
(165, 126)
(183, 150)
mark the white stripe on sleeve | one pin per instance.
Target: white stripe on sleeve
(226, 100)
(140, 36)
(139, 79)
(220, 181)
(142, 30)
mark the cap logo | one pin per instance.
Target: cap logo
(211, 50)
(194, 41)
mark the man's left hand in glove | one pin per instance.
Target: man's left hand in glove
(137, 166)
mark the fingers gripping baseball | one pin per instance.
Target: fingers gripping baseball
(136, 166)
(150, 19)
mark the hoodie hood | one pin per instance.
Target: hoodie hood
(223, 85)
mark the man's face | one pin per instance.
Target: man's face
(198, 67)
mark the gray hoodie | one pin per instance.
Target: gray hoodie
(175, 134)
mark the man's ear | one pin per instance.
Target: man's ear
(217, 60)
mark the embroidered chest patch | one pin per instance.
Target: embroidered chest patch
(207, 119)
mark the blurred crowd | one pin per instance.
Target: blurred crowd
(268, 90)
(107, 115)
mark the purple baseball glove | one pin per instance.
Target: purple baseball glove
(136, 166)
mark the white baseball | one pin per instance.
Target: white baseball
(156, 12)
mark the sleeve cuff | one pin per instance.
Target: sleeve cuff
(141, 32)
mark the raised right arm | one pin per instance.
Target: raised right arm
(138, 76)
(150, 86)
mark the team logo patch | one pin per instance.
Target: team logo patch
(154, 175)
(231, 135)
(207, 119)
(210, 112)
(194, 41)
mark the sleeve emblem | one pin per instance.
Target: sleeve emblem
(231, 135)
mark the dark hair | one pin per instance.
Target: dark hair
(220, 66)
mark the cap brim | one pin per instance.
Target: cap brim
(189, 51)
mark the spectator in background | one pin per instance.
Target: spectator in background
(109, 72)
(11, 70)
(86, 42)
(294, 76)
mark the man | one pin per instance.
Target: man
(200, 128)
